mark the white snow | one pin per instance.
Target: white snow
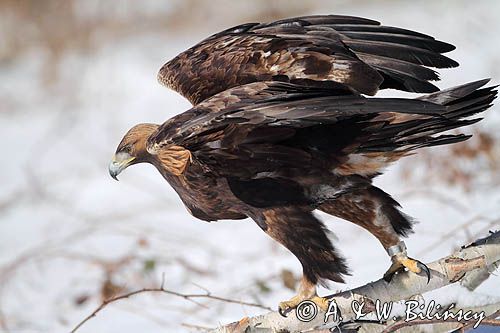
(64, 221)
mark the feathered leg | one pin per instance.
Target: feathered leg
(375, 211)
(306, 237)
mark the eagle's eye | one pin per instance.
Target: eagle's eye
(126, 149)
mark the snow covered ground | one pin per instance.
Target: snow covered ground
(69, 233)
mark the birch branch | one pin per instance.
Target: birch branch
(470, 265)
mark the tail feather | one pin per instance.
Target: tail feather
(421, 131)
(451, 94)
(441, 140)
(468, 106)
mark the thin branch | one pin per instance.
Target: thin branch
(161, 289)
(490, 320)
(434, 324)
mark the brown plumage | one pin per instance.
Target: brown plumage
(355, 51)
(279, 128)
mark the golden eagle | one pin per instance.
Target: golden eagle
(280, 127)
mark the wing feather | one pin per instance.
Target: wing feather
(357, 52)
(278, 104)
(273, 129)
(401, 52)
(377, 28)
(403, 39)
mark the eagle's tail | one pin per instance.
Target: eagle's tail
(418, 131)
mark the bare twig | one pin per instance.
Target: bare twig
(162, 289)
(433, 325)
(490, 320)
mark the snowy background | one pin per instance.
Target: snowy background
(76, 75)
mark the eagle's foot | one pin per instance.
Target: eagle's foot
(400, 261)
(322, 302)
(285, 307)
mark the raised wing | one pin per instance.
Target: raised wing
(354, 51)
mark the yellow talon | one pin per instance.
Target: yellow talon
(286, 306)
(322, 302)
(411, 264)
(306, 292)
(401, 261)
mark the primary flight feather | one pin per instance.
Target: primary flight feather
(280, 126)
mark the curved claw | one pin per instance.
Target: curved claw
(390, 274)
(401, 262)
(283, 312)
(423, 267)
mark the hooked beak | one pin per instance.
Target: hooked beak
(119, 163)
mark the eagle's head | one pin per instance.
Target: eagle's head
(132, 149)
